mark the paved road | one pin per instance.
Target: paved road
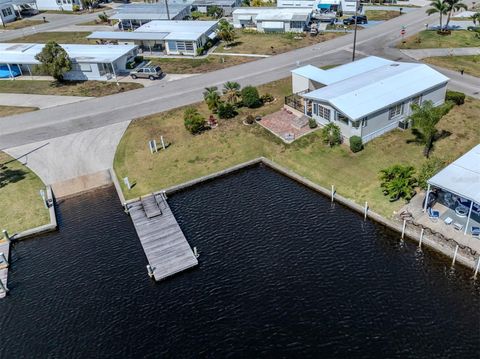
(40, 101)
(460, 51)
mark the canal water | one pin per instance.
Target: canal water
(282, 273)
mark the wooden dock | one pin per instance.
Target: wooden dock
(5, 249)
(164, 243)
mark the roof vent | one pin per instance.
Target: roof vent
(395, 65)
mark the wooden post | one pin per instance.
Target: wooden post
(468, 218)
(403, 228)
(127, 183)
(426, 198)
(476, 268)
(3, 258)
(333, 191)
(421, 238)
(455, 255)
(195, 252)
(366, 210)
(150, 271)
(5, 234)
(163, 142)
(2, 287)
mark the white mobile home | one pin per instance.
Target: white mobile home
(60, 5)
(170, 37)
(7, 12)
(226, 5)
(368, 97)
(90, 62)
(132, 16)
(265, 19)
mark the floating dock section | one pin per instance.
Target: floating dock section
(163, 241)
(4, 253)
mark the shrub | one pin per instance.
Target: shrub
(430, 169)
(199, 51)
(250, 97)
(226, 110)
(268, 97)
(54, 60)
(397, 182)
(457, 97)
(138, 59)
(103, 17)
(312, 123)
(356, 144)
(193, 120)
(331, 135)
(250, 119)
(75, 8)
(196, 15)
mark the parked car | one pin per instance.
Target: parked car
(361, 19)
(148, 72)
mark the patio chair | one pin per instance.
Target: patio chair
(433, 215)
(476, 231)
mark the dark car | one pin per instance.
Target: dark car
(361, 19)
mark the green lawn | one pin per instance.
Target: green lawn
(14, 110)
(470, 64)
(378, 15)
(85, 88)
(20, 24)
(431, 39)
(60, 37)
(21, 206)
(354, 175)
(198, 66)
(252, 42)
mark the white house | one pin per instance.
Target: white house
(318, 6)
(7, 12)
(61, 5)
(226, 5)
(132, 16)
(172, 37)
(267, 19)
(365, 98)
(90, 62)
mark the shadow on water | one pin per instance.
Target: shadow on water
(282, 273)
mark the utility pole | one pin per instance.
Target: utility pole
(168, 12)
(355, 31)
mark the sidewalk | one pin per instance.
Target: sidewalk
(40, 101)
(461, 51)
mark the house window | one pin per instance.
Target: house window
(364, 122)
(315, 109)
(395, 111)
(296, 24)
(342, 118)
(417, 100)
(324, 112)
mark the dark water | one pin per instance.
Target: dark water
(282, 274)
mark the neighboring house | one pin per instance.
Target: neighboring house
(90, 62)
(319, 6)
(365, 98)
(266, 19)
(171, 37)
(132, 16)
(226, 5)
(61, 5)
(7, 12)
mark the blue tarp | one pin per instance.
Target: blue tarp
(5, 72)
(324, 6)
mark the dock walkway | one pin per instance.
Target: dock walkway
(5, 249)
(162, 239)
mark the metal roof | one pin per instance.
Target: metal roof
(155, 11)
(127, 35)
(365, 93)
(274, 14)
(25, 53)
(462, 177)
(215, 2)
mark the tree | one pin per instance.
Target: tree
(54, 60)
(439, 6)
(475, 18)
(250, 97)
(225, 31)
(331, 135)
(429, 169)
(215, 11)
(257, 3)
(211, 97)
(398, 181)
(231, 90)
(454, 5)
(193, 120)
(424, 119)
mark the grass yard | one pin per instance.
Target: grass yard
(77, 37)
(354, 175)
(80, 12)
(14, 110)
(470, 64)
(86, 88)
(197, 66)
(20, 24)
(252, 42)
(430, 39)
(21, 207)
(378, 15)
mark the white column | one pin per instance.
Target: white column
(426, 198)
(305, 106)
(468, 218)
(10, 70)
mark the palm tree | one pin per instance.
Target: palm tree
(211, 97)
(439, 6)
(424, 119)
(225, 31)
(454, 5)
(231, 90)
(475, 18)
(398, 181)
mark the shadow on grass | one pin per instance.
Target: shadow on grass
(8, 176)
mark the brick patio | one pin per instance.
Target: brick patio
(284, 124)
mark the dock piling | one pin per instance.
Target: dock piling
(163, 143)
(3, 259)
(5, 234)
(150, 271)
(476, 268)
(195, 252)
(365, 211)
(421, 238)
(333, 191)
(455, 255)
(403, 228)
(2, 287)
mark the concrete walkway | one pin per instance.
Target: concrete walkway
(241, 55)
(40, 101)
(423, 53)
